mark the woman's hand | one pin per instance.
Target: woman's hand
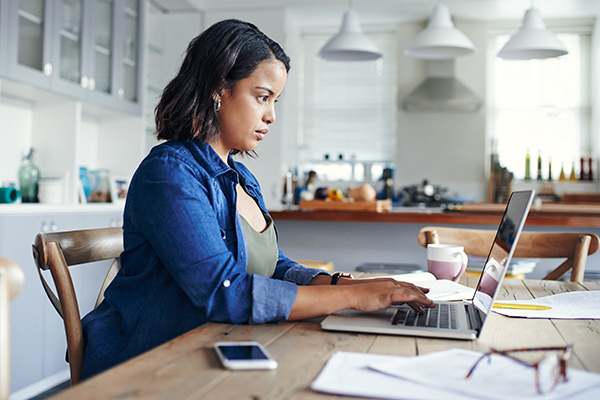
(320, 298)
(381, 293)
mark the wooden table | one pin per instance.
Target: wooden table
(187, 367)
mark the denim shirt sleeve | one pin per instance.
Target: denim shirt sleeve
(292, 271)
(172, 206)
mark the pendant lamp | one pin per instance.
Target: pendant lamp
(350, 44)
(533, 40)
(440, 40)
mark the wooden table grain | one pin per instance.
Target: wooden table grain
(187, 367)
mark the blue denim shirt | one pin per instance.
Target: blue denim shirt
(185, 258)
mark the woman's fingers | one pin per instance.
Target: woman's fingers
(383, 294)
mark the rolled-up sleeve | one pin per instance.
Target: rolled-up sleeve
(302, 275)
(264, 291)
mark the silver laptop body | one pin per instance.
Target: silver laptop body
(467, 318)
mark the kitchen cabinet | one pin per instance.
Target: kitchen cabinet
(87, 50)
(38, 342)
(3, 37)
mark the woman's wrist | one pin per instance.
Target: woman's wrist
(341, 278)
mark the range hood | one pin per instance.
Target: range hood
(441, 91)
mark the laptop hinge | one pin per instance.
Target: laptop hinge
(473, 318)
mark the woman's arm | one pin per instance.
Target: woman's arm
(322, 299)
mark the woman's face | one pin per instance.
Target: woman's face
(248, 110)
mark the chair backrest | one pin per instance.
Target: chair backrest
(11, 283)
(575, 247)
(56, 251)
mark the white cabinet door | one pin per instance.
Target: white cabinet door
(27, 309)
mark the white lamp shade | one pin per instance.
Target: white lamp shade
(350, 44)
(440, 40)
(533, 40)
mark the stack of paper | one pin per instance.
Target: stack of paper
(571, 305)
(442, 375)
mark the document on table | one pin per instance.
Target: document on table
(440, 375)
(499, 379)
(349, 374)
(571, 305)
(440, 289)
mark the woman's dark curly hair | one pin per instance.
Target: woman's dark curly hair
(217, 59)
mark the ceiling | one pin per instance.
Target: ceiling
(398, 10)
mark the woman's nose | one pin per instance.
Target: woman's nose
(270, 116)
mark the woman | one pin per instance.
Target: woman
(199, 243)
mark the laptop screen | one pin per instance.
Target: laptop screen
(502, 249)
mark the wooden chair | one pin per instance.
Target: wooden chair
(11, 283)
(575, 247)
(56, 252)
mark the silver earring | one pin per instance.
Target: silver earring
(217, 105)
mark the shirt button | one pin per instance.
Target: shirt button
(226, 283)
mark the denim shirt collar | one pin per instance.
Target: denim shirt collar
(208, 159)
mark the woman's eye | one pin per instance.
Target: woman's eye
(263, 98)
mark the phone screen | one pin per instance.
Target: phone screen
(245, 352)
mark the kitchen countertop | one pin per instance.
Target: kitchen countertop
(473, 214)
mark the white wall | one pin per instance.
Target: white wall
(15, 133)
(446, 148)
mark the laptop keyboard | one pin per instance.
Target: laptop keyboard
(442, 316)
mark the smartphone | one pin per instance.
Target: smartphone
(244, 355)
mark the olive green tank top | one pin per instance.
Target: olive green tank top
(262, 248)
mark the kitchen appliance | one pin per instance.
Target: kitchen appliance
(426, 195)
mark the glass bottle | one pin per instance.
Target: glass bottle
(582, 170)
(573, 177)
(85, 181)
(590, 170)
(562, 176)
(29, 176)
(549, 169)
(539, 166)
(527, 166)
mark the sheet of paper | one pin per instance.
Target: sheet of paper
(570, 305)
(412, 277)
(444, 289)
(348, 374)
(499, 379)
(441, 289)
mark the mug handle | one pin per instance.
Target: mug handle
(465, 259)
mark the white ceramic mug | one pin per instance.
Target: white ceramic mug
(446, 261)
(51, 191)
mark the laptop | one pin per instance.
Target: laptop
(449, 320)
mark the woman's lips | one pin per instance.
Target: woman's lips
(261, 133)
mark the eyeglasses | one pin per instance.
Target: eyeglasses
(549, 369)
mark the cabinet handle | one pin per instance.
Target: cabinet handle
(121, 93)
(85, 82)
(44, 227)
(53, 226)
(92, 84)
(47, 69)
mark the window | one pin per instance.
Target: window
(347, 108)
(541, 106)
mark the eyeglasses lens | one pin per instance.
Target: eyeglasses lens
(548, 372)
